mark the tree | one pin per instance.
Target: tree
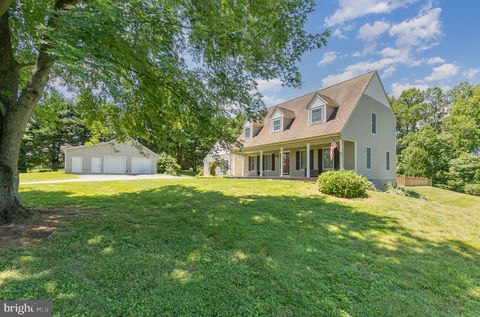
(409, 109)
(463, 123)
(437, 106)
(54, 123)
(158, 57)
(464, 170)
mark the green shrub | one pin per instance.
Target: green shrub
(200, 172)
(346, 184)
(472, 189)
(167, 164)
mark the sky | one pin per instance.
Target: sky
(411, 43)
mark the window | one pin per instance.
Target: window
(248, 132)
(267, 163)
(277, 125)
(387, 161)
(251, 163)
(224, 165)
(316, 114)
(327, 162)
(374, 123)
(301, 160)
(369, 158)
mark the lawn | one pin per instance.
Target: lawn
(45, 176)
(219, 247)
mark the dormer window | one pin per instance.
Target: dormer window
(317, 114)
(277, 125)
(248, 133)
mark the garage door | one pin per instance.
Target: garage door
(141, 165)
(77, 164)
(115, 165)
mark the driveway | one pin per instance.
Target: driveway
(102, 178)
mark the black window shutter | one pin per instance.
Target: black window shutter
(273, 162)
(311, 159)
(258, 163)
(320, 161)
(297, 160)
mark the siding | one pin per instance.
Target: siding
(101, 150)
(349, 155)
(358, 129)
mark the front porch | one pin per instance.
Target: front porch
(299, 160)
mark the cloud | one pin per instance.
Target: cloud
(421, 31)
(370, 32)
(388, 72)
(269, 85)
(435, 60)
(470, 73)
(397, 88)
(328, 58)
(352, 9)
(272, 100)
(444, 71)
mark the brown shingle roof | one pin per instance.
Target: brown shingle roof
(345, 95)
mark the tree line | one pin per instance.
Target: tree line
(438, 135)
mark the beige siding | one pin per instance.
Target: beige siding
(126, 150)
(349, 155)
(358, 129)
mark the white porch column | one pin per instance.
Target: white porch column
(281, 161)
(261, 163)
(308, 160)
(243, 166)
(342, 156)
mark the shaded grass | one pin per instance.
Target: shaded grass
(247, 247)
(45, 176)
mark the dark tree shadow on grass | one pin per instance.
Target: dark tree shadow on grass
(177, 250)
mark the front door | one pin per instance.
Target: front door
(286, 163)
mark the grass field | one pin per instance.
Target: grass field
(45, 176)
(219, 247)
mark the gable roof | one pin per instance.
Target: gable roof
(344, 95)
(286, 113)
(111, 143)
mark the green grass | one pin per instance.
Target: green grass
(219, 247)
(45, 176)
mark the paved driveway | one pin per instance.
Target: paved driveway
(102, 178)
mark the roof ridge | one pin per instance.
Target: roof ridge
(318, 90)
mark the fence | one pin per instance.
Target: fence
(413, 181)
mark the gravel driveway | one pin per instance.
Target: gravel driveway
(102, 178)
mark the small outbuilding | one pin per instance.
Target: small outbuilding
(110, 158)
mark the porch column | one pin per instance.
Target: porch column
(243, 166)
(308, 160)
(281, 161)
(342, 156)
(261, 163)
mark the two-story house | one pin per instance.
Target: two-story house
(293, 139)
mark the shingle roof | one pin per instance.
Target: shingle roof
(344, 95)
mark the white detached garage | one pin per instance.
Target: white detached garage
(110, 158)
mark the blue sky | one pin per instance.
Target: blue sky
(411, 43)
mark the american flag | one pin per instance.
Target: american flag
(333, 146)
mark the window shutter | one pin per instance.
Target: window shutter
(258, 163)
(311, 159)
(273, 162)
(297, 160)
(320, 161)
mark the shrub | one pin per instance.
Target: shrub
(167, 164)
(472, 189)
(346, 184)
(200, 172)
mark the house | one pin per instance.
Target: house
(222, 159)
(110, 158)
(293, 139)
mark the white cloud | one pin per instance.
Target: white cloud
(470, 73)
(444, 71)
(328, 58)
(421, 31)
(435, 60)
(370, 32)
(397, 88)
(388, 72)
(269, 85)
(352, 9)
(272, 100)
